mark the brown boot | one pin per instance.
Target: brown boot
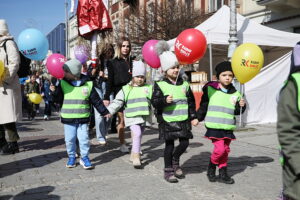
(169, 175)
(131, 157)
(136, 161)
(177, 169)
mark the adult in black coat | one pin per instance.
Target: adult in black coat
(119, 74)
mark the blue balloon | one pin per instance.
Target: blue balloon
(33, 44)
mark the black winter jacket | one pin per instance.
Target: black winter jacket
(119, 74)
(94, 99)
(173, 130)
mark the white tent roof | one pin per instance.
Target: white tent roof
(216, 31)
(262, 90)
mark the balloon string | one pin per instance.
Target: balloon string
(177, 76)
(242, 94)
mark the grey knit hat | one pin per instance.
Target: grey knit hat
(73, 66)
(138, 69)
(3, 27)
(167, 58)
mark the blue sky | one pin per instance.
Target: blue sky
(43, 15)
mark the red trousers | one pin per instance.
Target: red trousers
(220, 152)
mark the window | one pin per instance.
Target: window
(151, 19)
(116, 26)
(126, 21)
(214, 5)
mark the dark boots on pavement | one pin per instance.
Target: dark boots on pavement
(223, 176)
(169, 175)
(3, 143)
(211, 172)
(10, 148)
(177, 169)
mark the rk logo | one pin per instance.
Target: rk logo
(245, 63)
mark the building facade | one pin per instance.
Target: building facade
(56, 39)
(73, 37)
(278, 14)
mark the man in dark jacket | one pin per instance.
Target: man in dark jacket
(288, 129)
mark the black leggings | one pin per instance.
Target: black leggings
(169, 153)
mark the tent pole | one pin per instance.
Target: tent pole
(210, 62)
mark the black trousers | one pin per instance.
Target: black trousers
(170, 154)
(11, 130)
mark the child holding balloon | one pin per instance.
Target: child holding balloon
(31, 87)
(77, 92)
(175, 111)
(219, 105)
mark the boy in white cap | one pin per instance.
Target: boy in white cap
(136, 97)
(175, 111)
(77, 92)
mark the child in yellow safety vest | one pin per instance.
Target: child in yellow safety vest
(135, 97)
(175, 112)
(77, 92)
(219, 104)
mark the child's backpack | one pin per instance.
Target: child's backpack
(24, 68)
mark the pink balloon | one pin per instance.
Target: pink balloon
(55, 64)
(150, 55)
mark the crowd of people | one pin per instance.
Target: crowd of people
(117, 86)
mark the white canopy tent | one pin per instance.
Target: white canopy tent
(262, 90)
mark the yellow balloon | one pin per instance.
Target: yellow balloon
(35, 98)
(246, 62)
(1, 67)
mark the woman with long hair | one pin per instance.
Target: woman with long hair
(119, 74)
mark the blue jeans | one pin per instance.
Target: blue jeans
(80, 131)
(101, 123)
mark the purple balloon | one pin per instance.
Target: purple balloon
(150, 55)
(81, 53)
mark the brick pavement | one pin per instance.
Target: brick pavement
(38, 171)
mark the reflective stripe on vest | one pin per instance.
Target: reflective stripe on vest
(137, 100)
(76, 100)
(296, 77)
(220, 111)
(178, 109)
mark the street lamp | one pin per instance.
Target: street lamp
(233, 40)
(66, 29)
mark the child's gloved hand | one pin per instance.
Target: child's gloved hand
(195, 122)
(107, 116)
(169, 99)
(242, 102)
(52, 88)
(106, 103)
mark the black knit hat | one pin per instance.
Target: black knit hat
(223, 67)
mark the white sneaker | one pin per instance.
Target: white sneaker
(124, 148)
(102, 142)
